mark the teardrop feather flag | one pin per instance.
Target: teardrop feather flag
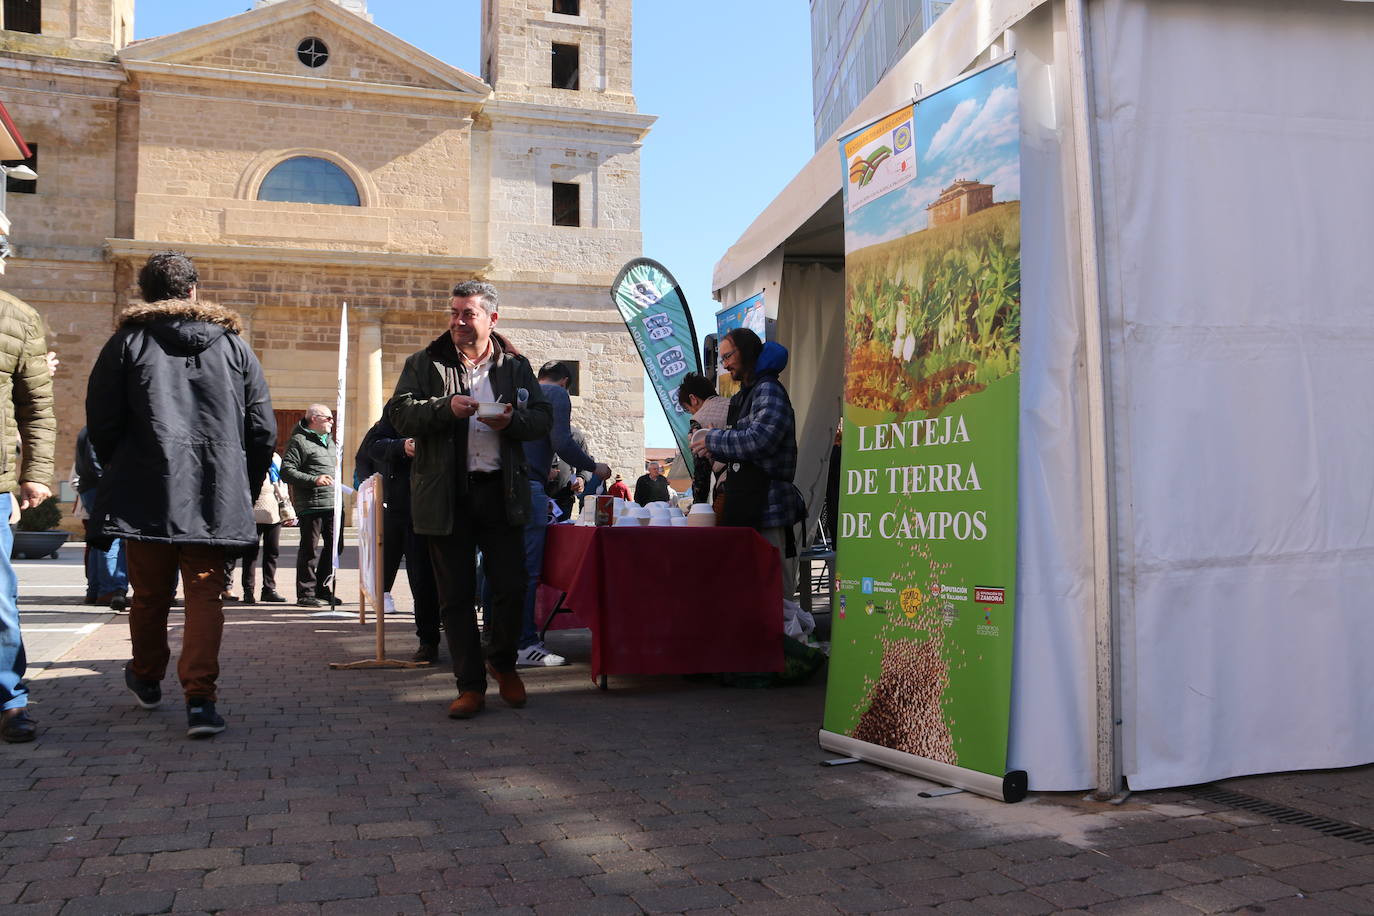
(656, 314)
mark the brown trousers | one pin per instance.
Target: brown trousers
(153, 575)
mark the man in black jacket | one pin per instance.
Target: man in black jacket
(179, 414)
(470, 401)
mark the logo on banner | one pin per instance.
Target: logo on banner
(659, 326)
(880, 158)
(868, 585)
(987, 627)
(672, 362)
(645, 294)
(989, 595)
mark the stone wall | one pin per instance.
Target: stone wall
(168, 159)
(273, 50)
(526, 158)
(69, 110)
(204, 147)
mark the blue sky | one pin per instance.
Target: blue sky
(966, 131)
(730, 83)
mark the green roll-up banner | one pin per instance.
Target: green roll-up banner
(921, 663)
(655, 312)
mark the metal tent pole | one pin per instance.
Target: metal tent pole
(1110, 781)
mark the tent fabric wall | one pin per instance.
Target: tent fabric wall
(1053, 730)
(1234, 142)
(811, 327)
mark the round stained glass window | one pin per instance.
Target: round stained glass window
(309, 180)
(312, 52)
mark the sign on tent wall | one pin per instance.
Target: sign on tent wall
(920, 675)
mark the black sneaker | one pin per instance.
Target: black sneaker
(309, 602)
(201, 719)
(247, 598)
(428, 652)
(119, 603)
(271, 595)
(149, 693)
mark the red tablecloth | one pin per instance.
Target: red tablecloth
(670, 600)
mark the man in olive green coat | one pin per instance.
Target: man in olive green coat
(308, 466)
(470, 400)
(26, 400)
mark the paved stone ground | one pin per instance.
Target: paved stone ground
(337, 792)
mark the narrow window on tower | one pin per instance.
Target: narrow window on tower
(575, 368)
(566, 201)
(565, 7)
(564, 66)
(24, 16)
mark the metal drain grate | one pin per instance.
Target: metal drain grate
(1285, 815)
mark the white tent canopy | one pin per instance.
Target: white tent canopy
(1196, 514)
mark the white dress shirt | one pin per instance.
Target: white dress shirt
(484, 443)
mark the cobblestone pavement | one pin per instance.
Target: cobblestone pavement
(342, 792)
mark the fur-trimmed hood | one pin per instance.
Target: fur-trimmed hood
(186, 327)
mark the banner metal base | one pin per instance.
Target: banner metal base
(1008, 788)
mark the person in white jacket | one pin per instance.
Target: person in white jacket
(271, 511)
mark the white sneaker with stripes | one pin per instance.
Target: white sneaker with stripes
(536, 656)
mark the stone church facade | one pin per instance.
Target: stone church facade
(305, 157)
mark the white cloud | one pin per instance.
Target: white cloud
(960, 116)
(995, 124)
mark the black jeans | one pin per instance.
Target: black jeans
(480, 523)
(270, 537)
(399, 540)
(317, 531)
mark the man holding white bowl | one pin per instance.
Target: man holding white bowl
(470, 400)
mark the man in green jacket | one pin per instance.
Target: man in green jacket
(470, 400)
(308, 466)
(26, 399)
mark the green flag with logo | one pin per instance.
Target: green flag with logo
(655, 312)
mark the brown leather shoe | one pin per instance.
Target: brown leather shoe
(512, 688)
(468, 704)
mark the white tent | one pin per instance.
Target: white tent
(1197, 462)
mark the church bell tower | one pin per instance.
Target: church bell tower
(568, 53)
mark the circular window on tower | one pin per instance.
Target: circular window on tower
(312, 52)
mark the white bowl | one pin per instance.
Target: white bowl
(704, 519)
(490, 408)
